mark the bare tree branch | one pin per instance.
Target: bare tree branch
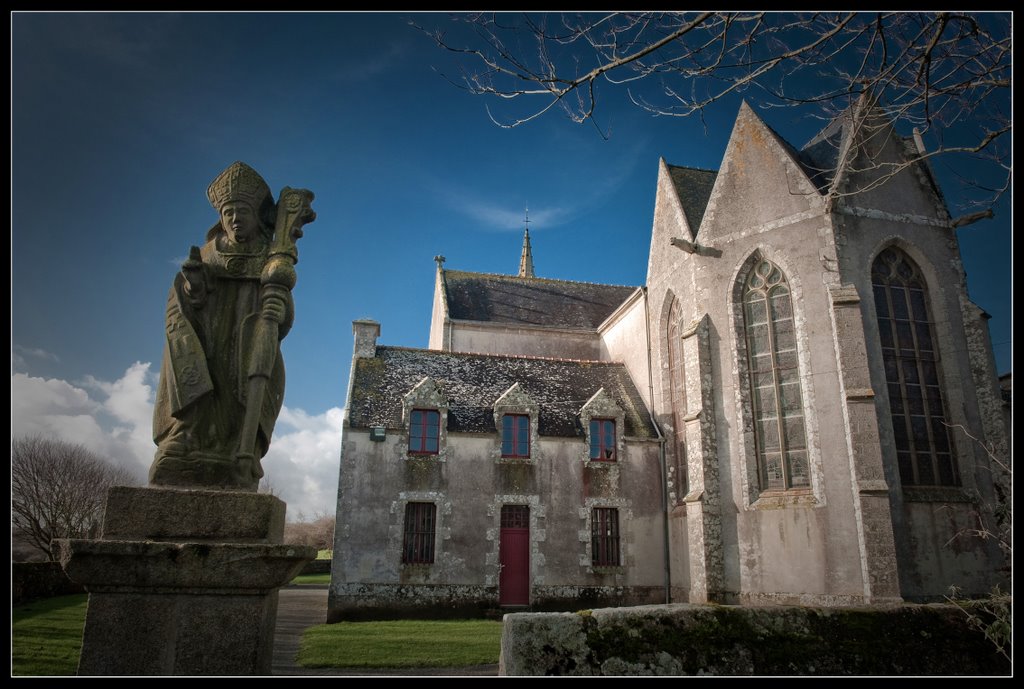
(948, 74)
(58, 490)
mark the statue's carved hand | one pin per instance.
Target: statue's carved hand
(195, 281)
(194, 260)
(274, 308)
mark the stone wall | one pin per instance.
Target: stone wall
(34, 580)
(521, 340)
(726, 640)
(624, 339)
(469, 484)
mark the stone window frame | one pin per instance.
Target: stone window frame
(396, 527)
(963, 446)
(626, 556)
(767, 290)
(518, 402)
(425, 395)
(610, 554)
(754, 496)
(410, 520)
(601, 405)
(673, 382)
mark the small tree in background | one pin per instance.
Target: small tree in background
(317, 531)
(58, 490)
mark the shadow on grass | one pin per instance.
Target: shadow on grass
(46, 636)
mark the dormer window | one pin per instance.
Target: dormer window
(515, 436)
(516, 418)
(602, 440)
(601, 419)
(425, 413)
(424, 431)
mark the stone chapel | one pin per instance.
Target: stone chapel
(794, 409)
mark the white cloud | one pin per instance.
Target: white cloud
(495, 217)
(114, 420)
(302, 464)
(56, 408)
(33, 397)
(609, 175)
(36, 352)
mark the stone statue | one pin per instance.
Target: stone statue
(222, 377)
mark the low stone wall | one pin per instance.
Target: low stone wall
(317, 567)
(34, 580)
(731, 640)
(358, 602)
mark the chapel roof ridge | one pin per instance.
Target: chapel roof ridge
(693, 167)
(540, 279)
(529, 357)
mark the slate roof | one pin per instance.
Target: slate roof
(530, 301)
(472, 383)
(820, 156)
(694, 188)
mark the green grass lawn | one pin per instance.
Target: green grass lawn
(46, 636)
(46, 639)
(402, 643)
(312, 579)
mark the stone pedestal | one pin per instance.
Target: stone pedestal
(183, 582)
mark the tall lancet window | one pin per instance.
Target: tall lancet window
(780, 437)
(677, 389)
(923, 450)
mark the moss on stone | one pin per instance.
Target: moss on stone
(728, 640)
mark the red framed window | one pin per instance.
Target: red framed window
(424, 431)
(420, 525)
(604, 537)
(515, 435)
(602, 440)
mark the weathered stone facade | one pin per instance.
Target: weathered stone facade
(698, 502)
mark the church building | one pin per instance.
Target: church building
(794, 409)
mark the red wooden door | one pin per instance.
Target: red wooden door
(514, 582)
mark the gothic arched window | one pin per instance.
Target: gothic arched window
(923, 450)
(776, 399)
(677, 393)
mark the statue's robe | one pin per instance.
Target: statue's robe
(202, 396)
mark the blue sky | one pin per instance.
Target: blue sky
(120, 121)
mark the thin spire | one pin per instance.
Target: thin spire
(526, 259)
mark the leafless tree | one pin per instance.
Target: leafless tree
(317, 531)
(267, 487)
(946, 75)
(58, 490)
(991, 614)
